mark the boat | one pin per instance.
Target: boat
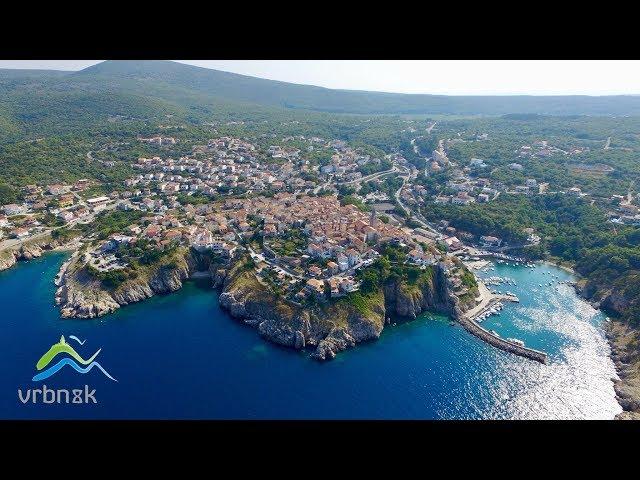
(516, 341)
(495, 333)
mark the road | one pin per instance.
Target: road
(417, 217)
(13, 242)
(415, 147)
(416, 150)
(369, 177)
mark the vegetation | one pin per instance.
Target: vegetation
(195, 199)
(289, 243)
(571, 230)
(111, 279)
(64, 234)
(373, 167)
(51, 121)
(351, 200)
(391, 267)
(108, 223)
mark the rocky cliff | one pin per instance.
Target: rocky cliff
(620, 300)
(329, 328)
(26, 251)
(326, 327)
(430, 292)
(81, 295)
(625, 353)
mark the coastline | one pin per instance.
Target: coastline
(561, 266)
(622, 338)
(232, 353)
(31, 249)
(623, 341)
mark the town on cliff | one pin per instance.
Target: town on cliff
(293, 255)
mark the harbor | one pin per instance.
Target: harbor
(491, 302)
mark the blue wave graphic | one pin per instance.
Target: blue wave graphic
(68, 361)
(73, 337)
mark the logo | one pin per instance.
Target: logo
(72, 359)
(65, 355)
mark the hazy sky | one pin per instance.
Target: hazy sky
(453, 77)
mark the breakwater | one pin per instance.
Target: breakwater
(499, 342)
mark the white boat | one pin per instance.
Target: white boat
(516, 341)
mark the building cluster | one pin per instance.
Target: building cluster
(625, 211)
(203, 228)
(345, 162)
(541, 149)
(225, 165)
(158, 140)
(340, 239)
(62, 201)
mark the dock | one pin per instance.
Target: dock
(499, 342)
(467, 320)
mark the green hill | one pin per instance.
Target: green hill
(39, 102)
(158, 75)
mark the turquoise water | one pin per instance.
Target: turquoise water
(179, 356)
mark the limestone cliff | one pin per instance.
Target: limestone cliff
(7, 259)
(325, 327)
(334, 326)
(430, 292)
(26, 251)
(83, 296)
(625, 353)
(620, 299)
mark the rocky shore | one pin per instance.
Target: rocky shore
(329, 328)
(28, 251)
(324, 328)
(624, 340)
(625, 353)
(80, 295)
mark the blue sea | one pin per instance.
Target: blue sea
(180, 356)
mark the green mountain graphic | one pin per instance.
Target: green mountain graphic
(63, 347)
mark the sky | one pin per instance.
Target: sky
(446, 77)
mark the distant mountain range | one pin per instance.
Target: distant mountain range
(242, 88)
(146, 88)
